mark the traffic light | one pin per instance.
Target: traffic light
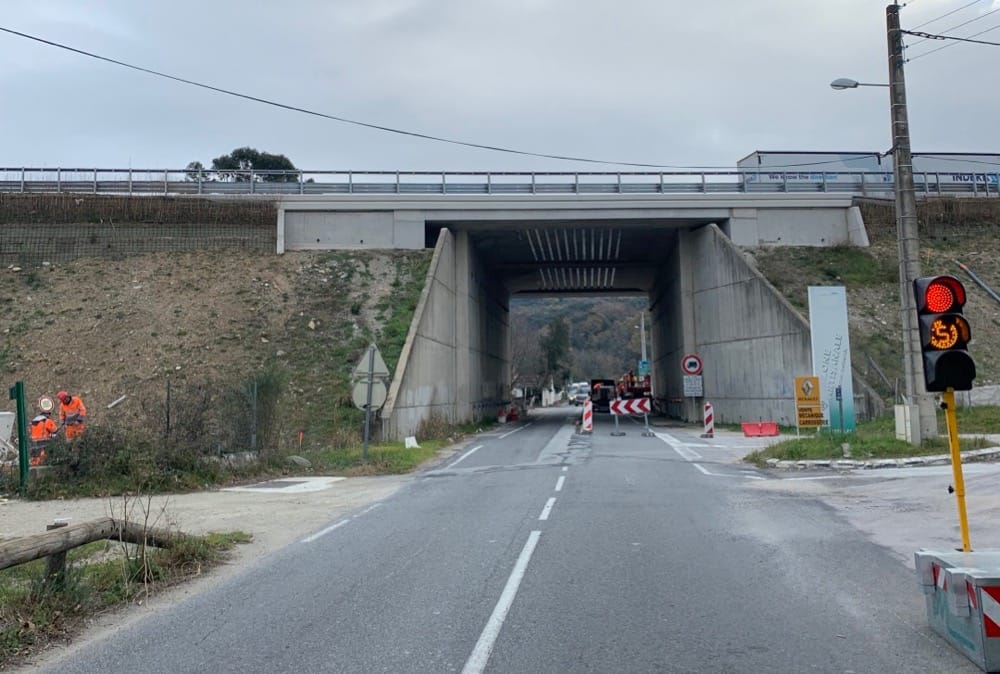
(944, 333)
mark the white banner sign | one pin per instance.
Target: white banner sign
(831, 354)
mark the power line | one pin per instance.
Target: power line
(404, 132)
(937, 157)
(965, 23)
(952, 44)
(947, 14)
(931, 36)
(336, 118)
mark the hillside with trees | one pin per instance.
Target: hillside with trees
(574, 338)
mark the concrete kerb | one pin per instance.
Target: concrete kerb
(987, 454)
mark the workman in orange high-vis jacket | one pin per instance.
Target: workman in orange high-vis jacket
(42, 427)
(41, 431)
(72, 414)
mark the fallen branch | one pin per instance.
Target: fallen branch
(29, 548)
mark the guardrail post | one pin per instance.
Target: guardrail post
(619, 183)
(55, 564)
(704, 186)
(824, 181)
(58, 180)
(489, 183)
(864, 188)
(130, 182)
(784, 181)
(165, 181)
(444, 183)
(252, 181)
(975, 186)
(350, 182)
(397, 182)
(200, 183)
(302, 183)
(532, 183)
(22, 179)
(576, 183)
(661, 182)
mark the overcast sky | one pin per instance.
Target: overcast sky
(667, 82)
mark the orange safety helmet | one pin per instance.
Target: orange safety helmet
(63, 397)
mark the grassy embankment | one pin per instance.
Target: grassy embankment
(877, 440)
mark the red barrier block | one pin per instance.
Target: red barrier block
(756, 429)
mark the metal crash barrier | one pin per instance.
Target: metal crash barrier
(962, 590)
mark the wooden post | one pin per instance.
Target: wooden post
(55, 566)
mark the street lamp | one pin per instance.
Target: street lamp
(846, 83)
(919, 403)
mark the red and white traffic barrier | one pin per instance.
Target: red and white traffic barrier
(709, 421)
(588, 417)
(630, 406)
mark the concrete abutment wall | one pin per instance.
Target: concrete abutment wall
(752, 341)
(455, 363)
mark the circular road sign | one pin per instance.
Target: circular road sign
(691, 364)
(46, 404)
(360, 394)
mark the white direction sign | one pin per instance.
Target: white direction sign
(380, 371)
(359, 394)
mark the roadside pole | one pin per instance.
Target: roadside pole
(956, 465)
(368, 400)
(17, 394)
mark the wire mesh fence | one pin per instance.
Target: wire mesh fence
(58, 228)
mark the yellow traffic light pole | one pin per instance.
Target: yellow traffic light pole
(948, 396)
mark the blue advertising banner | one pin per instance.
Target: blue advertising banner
(831, 355)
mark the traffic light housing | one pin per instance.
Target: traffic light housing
(944, 333)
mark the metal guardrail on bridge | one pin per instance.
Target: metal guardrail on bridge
(244, 182)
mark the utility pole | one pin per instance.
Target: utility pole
(907, 235)
(642, 332)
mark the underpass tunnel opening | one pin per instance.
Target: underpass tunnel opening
(557, 303)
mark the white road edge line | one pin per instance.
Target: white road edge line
(367, 510)
(559, 482)
(465, 456)
(678, 446)
(324, 532)
(519, 428)
(703, 469)
(547, 509)
(484, 647)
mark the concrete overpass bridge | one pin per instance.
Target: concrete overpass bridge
(682, 252)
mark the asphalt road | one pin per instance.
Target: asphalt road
(536, 549)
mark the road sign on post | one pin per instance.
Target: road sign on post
(376, 367)
(369, 387)
(691, 364)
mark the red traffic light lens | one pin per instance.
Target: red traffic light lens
(938, 298)
(943, 295)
